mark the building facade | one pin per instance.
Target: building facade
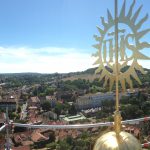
(93, 101)
(8, 102)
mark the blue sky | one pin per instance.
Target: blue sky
(53, 35)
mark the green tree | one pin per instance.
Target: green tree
(69, 140)
(82, 144)
(19, 109)
(51, 146)
(72, 110)
(146, 107)
(46, 106)
(49, 91)
(63, 145)
(131, 111)
(59, 108)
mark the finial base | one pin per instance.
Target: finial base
(109, 141)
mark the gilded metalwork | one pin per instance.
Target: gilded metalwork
(128, 53)
(117, 122)
(109, 141)
(113, 58)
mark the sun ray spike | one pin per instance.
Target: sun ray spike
(134, 75)
(97, 62)
(142, 46)
(110, 18)
(110, 66)
(99, 69)
(122, 81)
(129, 82)
(97, 38)
(123, 65)
(96, 54)
(103, 22)
(139, 35)
(97, 46)
(139, 67)
(136, 14)
(122, 13)
(100, 30)
(102, 75)
(131, 9)
(106, 80)
(140, 23)
(111, 83)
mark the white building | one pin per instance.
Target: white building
(93, 100)
(75, 118)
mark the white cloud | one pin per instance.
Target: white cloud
(43, 60)
(144, 63)
(46, 60)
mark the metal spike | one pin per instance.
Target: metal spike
(95, 54)
(111, 83)
(97, 62)
(138, 67)
(129, 82)
(100, 30)
(142, 33)
(106, 80)
(131, 9)
(122, 13)
(97, 46)
(97, 38)
(138, 26)
(110, 66)
(110, 18)
(142, 56)
(122, 81)
(99, 69)
(103, 22)
(136, 14)
(134, 75)
(124, 64)
(102, 75)
(141, 46)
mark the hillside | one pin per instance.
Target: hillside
(19, 79)
(89, 74)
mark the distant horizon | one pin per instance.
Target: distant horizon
(52, 72)
(45, 72)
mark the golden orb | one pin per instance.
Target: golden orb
(125, 141)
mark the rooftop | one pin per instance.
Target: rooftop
(74, 118)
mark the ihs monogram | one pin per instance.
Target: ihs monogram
(128, 33)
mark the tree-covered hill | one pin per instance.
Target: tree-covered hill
(20, 79)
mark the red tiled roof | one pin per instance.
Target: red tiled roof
(2, 142)
(36, 136)
(27, 143)
(35, 99)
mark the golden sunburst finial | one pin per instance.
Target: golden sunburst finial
(129, 54)
(115, 52)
